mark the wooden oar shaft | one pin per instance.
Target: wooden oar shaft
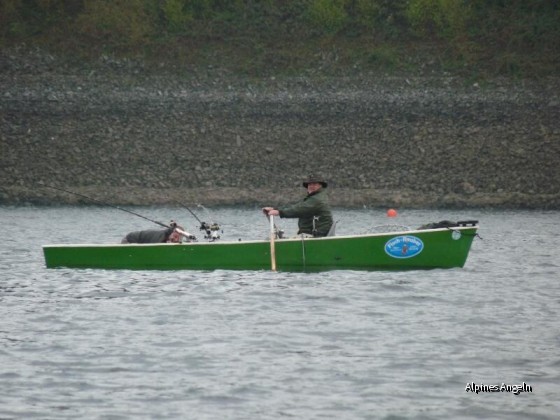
(272, 245)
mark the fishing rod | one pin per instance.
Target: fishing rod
(109, 205)
(189, 210)
(211, 230)
(183, 205)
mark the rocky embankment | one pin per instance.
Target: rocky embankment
(124, 136)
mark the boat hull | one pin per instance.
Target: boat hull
(421, 249)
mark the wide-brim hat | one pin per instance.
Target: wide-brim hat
(314, 178)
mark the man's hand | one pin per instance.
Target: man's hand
(270, 211)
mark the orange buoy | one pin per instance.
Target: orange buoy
(391, 213)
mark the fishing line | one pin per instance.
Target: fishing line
(109, 205)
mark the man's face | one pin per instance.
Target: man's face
(175, 237)
(313, 186)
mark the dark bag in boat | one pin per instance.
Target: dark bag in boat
(437, 225)
(448, 224)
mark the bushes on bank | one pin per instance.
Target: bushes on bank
(476, 31)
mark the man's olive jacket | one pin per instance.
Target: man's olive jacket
(314, 205)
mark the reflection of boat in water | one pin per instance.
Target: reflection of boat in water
(433, 247)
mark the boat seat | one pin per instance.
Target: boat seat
(332, 229)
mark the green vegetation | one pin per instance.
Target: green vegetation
(493, 37)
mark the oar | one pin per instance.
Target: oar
(272, 244)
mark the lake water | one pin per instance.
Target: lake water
(102, 344)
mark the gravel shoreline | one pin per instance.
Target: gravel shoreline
(125, 136)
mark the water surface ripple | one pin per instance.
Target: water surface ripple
(104, 344)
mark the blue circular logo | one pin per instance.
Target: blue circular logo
(404, 246)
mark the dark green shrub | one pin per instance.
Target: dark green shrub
(117, 22)
(328, 16)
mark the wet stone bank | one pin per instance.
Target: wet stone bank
(127, 137)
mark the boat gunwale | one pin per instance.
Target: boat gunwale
(259, 241)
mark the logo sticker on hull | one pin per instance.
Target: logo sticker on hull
(404, 247)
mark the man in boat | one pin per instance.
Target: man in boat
(155, 236)
(314, 213)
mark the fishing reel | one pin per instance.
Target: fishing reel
(188, 237)
(212, 232)
(278, 233)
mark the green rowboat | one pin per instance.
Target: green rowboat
(446, 247)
